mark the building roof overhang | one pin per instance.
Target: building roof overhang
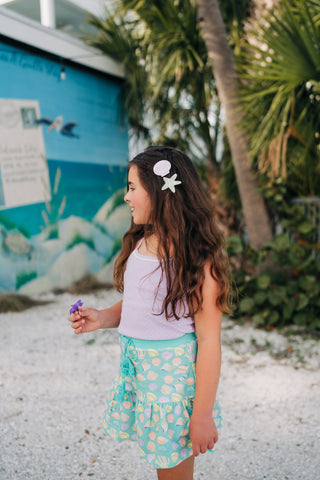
(31, 33)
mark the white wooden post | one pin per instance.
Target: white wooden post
(48, 17)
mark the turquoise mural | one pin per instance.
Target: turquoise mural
(78, 229)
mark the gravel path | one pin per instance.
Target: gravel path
(53, 385)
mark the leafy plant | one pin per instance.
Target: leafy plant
(279, 66)
(169, 90)
(285, 289)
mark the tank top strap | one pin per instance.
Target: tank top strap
(139, 243)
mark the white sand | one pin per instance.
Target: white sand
(53, 385)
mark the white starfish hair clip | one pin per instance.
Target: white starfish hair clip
(162, 168)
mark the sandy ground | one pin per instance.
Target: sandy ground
(53, 384)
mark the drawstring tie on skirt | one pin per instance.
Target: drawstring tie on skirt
(127, 367)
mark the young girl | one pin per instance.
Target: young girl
(172, 272)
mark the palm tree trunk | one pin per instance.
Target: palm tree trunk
(220, 54)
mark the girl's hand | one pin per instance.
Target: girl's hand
(85, 320)
(203, 434)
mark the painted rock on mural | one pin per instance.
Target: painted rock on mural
(16, 243)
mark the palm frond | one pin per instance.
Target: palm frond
(279, 67)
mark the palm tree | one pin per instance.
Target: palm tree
(123, 41)
(167, 73)
(235, 14)
(215, 37)
(280, 69)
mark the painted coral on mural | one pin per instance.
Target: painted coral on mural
(37, 264)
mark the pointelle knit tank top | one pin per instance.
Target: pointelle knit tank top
(142, 302)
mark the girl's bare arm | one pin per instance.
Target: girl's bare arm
(90, 319)
(203, 431)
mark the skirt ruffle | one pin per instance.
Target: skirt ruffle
(151, 401)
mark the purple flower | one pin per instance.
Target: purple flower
(76, 306)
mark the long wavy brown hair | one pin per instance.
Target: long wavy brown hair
(185, 227)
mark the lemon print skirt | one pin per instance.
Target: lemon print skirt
(152, 398)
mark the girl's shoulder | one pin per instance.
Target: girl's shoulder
(138, 243)
(147, 247)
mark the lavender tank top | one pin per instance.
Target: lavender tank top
(142, 301)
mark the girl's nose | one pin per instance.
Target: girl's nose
(126, 197)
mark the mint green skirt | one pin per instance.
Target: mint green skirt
(151, 399)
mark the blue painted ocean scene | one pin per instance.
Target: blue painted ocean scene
(86, 186)
(85, 142)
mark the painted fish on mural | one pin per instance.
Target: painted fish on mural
(65, 129)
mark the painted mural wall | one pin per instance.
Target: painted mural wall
(63, 157)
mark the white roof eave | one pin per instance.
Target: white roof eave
(25, 30)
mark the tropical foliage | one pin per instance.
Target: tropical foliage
(235, 14)
(288, 291)
(221, 57)
(279, 66)
(169, 89)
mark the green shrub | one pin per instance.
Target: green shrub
(280, 284)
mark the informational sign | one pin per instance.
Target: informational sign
(24, 176)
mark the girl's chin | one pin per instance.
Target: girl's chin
(136, 220)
